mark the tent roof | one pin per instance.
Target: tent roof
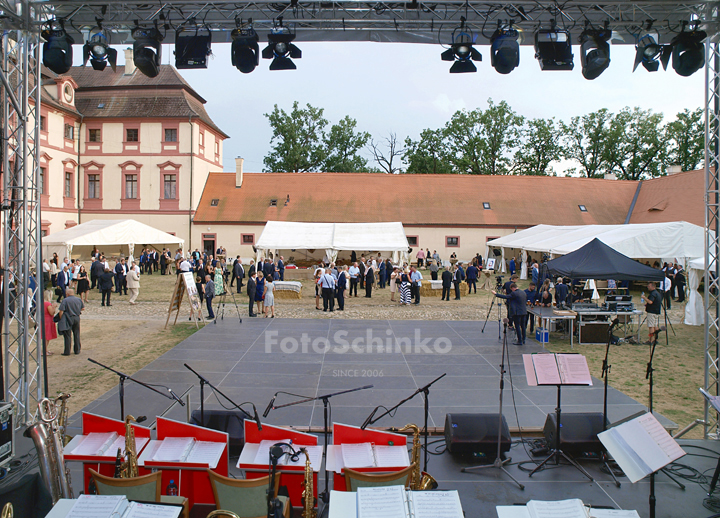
(596, 260)
(283, 235)
(678, 239)
(111, 232)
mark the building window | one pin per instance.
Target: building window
(170, 134)
(43, 123)
(170, 186)
(93, 186)
(248, 239)
(68, 185)
(41, 186)
(452, 241)
(215, 202)
(131, 135)
(412, 240)
(217, 147)
(273, 202)
(131, 186)
(202, 138)
(94, 135)
(69, 131)
(486, 205)
(582, 208)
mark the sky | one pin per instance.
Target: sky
(405, 88)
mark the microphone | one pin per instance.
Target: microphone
(269, 407)
(140, 419)
(176, 398)
(369, 418)
(614, 323)
(257, 418)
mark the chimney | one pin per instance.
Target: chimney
(610, 176)
(239, 172)
(129, 63)
(673, 169)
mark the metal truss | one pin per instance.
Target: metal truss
(22, 338)
(350, 20)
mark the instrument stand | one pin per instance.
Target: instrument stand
(274, 506)
(121, 388)
(203, 382)
(605, 374)
(494, 302)
(222, 301)
(499, 463)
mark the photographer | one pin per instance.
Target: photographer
(507, 289)
(517, 306)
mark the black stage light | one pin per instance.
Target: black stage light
(504, 50)
(245, 51)
(650, 53)
(594, 52)
(97, 49)
(192, 47)
(280, 49)
(461, 51)
(147, 50)
(57, 49)
(688, 52)
(553, 49)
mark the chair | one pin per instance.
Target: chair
(247, 498)
(146, 488)
(355, 479)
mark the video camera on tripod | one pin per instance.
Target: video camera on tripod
(499, 282)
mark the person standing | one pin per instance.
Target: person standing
(251, 288)
(416, 280)
(512, 266)
(281, 268)
(420, 258)
(369, 281)
(163, 262)
(62, 281)
(447, 278)
(457, 279)
(341, 285)
(105, 282)
(362, 266)
(472, 274)
(433, 269)
(83, 285)
(133, 283)
(665, 291)
(50, 328)
(517, 301)
(327, 287)
(259, 292)
(532, 296)
(561, 293)
(354, 272)
(381, 273)
(269, 298)
(393, 283)
(209, 295)
(680, 283)
(653, 306)
(405, 289)
(69, 311)
(239, 273)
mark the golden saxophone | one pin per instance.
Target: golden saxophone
(222, 512)
(129, 467)
(308, 491)
(419, 481)
(7, 511)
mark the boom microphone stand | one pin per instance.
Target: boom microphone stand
(499, 463)
(605, 374)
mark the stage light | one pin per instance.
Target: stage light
(553, 49)
(97, 49)
(192, 50)
(504, 50)
(651, 53)
(280, 48)
(147, 50)
(245, 51)
(461, 50)
(688, 52)
(594, 52)
(57, 49)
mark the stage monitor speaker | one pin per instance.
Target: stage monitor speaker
(475, 433)
(596, 333)
(227, 421)
(578, 432)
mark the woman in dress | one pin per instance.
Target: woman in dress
(269, 300)
(393, 283)
(83, 286)
(50, 328)
(405, 288)
(219, 281)
(259, 292)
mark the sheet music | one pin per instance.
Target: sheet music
(546, 369)
(315, 453)
(98, 506)
(613, 513)
(529, 370)
(663, 439)
(140, 443)
(173, 449)
(435, 504)
(512, 511)
(391, 456)
(140, 510)
(381, 502)
(96, 444)
(572, 508)
(263, 453)
(358, 455)
(206, 452)
(574, 369)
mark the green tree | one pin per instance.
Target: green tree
(686, 140)
(342, 144)
(427, 155)
(541, 145)
(586, 141)
(298, 139)
(636, 146)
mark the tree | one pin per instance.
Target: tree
(541, 146)
(298, 139)
(427, 155)
(342, 144)
(636, 144)
(388, 161)
(585, 141)
(686, 140)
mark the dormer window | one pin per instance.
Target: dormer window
(582, 208)
(486, 205)
(273, 202)
(214, 202)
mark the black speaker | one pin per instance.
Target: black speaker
(227, 421)
(578, 432)
(475, 433)
(593, 333)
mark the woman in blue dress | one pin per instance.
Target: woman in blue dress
(260, 292)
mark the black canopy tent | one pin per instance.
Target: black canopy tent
(596, 260)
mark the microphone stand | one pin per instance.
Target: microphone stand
(325, 496)
(371, 419)
(203, 382)
(605, 374)
(121, 388)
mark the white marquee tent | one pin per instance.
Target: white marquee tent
(333, 238)
(105, 233)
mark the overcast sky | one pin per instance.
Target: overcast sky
(405, 88)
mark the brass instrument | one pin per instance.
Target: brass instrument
(63, 417)
(7, 511)
(129, 467)
(307, 494)
(221, 512)
(419, 481)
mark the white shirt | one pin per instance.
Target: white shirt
(185, 265)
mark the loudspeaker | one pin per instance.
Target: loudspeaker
(593, 333)
(476, 433)
(578, 432)
(227, 421)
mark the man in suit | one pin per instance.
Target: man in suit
(96, 270)
(251, 287)
(341, 285)
(281, 268)
(119, 275)
(232, 277)
(209, 295)
(362, 267)
(458, 277)
(268, 269)
(517, 301)
(369, 280)
(472, 274)
(239, 273)
(163, 262)
(447, 278)
(133, 283)
(106, 283)
(69, 324)
(63, 279)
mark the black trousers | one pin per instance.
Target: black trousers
(472, 285)
(93, 281)
(681, 293)
(445, 293)
(520, 321)
(208, 302)
(251, 305)
(457, 289)
(362, 280)
(368, 289)
(415, 293)
(328, 299)
(106, 293)
(433, 275)
(239, 284)
(353, 286)
(73, 332)
(341, 299)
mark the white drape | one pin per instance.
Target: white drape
(331, 254)
(523, 265)
(694, 309)
(591, 285)
(502, 261)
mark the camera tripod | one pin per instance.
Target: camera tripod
(222, 302)
(494, 302)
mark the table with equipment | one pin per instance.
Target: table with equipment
(547, 315)
(594, 320)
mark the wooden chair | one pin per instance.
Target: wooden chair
(247, 498)
(146, 488)
(355, 479)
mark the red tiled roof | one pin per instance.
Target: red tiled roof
(169, 77)
(676, 197)
(447, 200)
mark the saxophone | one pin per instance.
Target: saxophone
(129, 467)
(307, 494)
(7, 511)
(419, 481)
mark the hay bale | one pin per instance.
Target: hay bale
(288, 294)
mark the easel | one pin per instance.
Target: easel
(182, 286)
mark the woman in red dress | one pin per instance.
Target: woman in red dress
(50, 328)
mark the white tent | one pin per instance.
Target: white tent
(105, 233)
(333, 238)
(695, 306)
